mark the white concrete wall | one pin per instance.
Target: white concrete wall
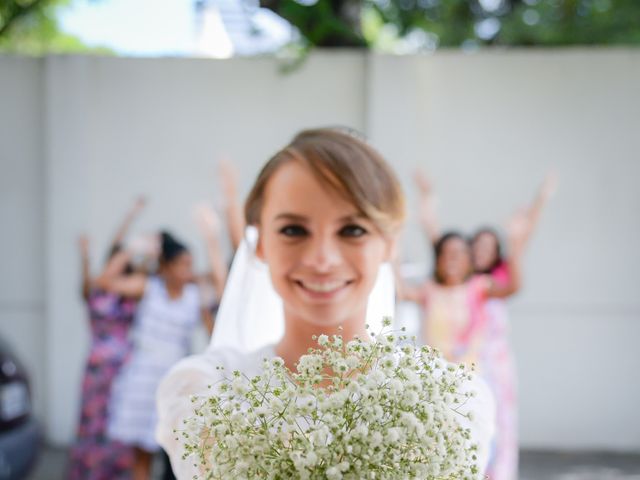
(22, 217)
(487, 126)
(121, 127)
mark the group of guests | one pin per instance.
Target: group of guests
(464, 310)
(146, 302)
(144, 307)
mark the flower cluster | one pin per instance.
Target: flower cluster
(381, 409)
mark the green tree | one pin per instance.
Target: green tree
(30, 27)
(452, 23)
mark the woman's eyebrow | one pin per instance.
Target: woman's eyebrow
(353, 217)
(293, 217)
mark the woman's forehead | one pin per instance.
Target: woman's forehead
(295, 191)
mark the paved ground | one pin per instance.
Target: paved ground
(534, 465)
(579, 466)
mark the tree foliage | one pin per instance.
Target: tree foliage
(453, 23)
(30, 27)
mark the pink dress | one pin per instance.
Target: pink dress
(467, 327)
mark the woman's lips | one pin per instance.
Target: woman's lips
(325, 290)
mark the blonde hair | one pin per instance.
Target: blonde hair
(346, 164)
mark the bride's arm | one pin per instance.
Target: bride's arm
(483, 421)
(191, 376)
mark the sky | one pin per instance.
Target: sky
(144, 27)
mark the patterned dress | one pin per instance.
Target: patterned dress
(501, 376)
(162, 336)
(467, 327)
(94, 456)
(453, 320)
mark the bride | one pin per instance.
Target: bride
(327, 209)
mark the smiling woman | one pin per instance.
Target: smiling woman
(327, 209)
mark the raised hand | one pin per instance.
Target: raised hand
(428, 215)
(518, 230)
(534, 211)
(423, 182)
(228, 179)
(83, 244)
(209, 224)
(233, 210)
(147, 246)
(207, 219)
(133, 212)
(139, 205)
(549, 185)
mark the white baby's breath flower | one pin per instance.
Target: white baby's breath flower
(385, 410)
(334, 473)
(239, 386)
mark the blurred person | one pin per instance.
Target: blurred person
(94, 456)
(495, 358)
(171, 305)
(454, 299)
(488, 254)
(454, 303)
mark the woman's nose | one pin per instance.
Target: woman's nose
(323, 253)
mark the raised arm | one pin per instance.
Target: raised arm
(207, 318)
(232, 207)
(114, 277)
(427, 210)
(518, 232)
(404, 291)
(208, 300)
(83, 244)
(131, 215)
(209, 225)
(534, 211)
(190, 377)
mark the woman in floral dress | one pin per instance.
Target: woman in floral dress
(94, 456)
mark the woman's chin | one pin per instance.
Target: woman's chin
(327, 316)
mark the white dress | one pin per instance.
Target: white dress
(162, 333)
(193, 375)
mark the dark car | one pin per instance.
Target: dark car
(19, 431)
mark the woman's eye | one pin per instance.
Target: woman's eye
(352, 231)
(293, 231)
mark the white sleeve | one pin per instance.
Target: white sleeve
(191, 376)
(483, 422)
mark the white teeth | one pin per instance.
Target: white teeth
(323, 287)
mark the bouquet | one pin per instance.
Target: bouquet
(381, 409)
